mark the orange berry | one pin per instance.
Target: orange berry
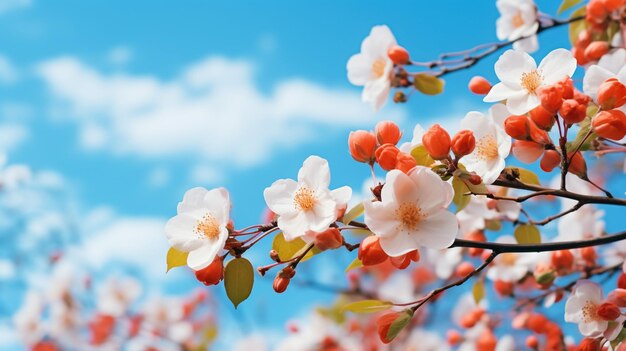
(610, 124)
(437, 141)
(463, 143)
(387, 132)
(573, 112)
(596, 50)
(370, 251)
(611, 94)
(362, 145)
(399, 55)
(479, 85)
(386, 156)
(211, 274)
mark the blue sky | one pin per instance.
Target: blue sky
(132, 103)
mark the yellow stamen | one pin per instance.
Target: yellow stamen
(305, 199)
(517, 20)
(208, 227)
(531, 81)
(590, 312)
(378, 67)
(487, 148)
(409, 214)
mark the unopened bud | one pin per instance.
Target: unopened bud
(387, 132)
(399, 55)
(551, 97)
(370, 251)
(562, 260)
(611, 94)
(437, 141)
(329, 239)
(550, 160)
(479, 85)
(463, 143)
(362, 145)
(517, 127)
(386, 156)
(211, 274)
(572, 112)
(543, 118)
(281, 284)
(610, 124)
(596, 50)
(608, 311)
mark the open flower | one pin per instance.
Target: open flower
(492, 143)
(306, 205)
(581, 308)
(413, 212)
(372, 67)
(518, 18)
(200, 225)
(520, 78)
(511, 267)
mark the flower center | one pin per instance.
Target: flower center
(487, 148)
(208, 227)
(304, 199)
(409, 215)
(508, 259)
(378, 67)
(531, 81)
(590, 312)
(517, 20)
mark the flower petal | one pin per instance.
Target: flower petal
(438, 230)
(522, 103)
(279, 196)
(511, 65)
(398, 245)
(181, 231)
(192, 200)
(315, 173)
(557, 65)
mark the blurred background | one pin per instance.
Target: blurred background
(111, 110)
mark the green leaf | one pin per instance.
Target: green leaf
(493, 224)
(421, 156)
(367, 306)
(460, 199)
(402, 321)
(176, 258)
(585, 127)
(525, 176)
(566, 5)
(577, 26)
(289, 249)
(527, 234)
(428, 84)
(238, 280)
(619, 338)
(353, 214)
(478, 291)
(355, 264)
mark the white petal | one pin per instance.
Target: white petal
(438, 230)
(432, 192)
(613, 61)
(378, 42)
(381, 219)
(557, 65)
(511, 65)
(279, 196)
(500, 92)
(315, 173)
(342, 195)
(530, 44)
(376, 92)
(399, 188)
(204, 255)
(359, 69)
(192, 200)
(398, 245)
(293, 224)
(522, 103)
(595, 76)
(217, 201)
(180, 231)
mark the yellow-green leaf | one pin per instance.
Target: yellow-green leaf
(399, 323)
(478, 291)
(577, 26)
(421, 156)
(566, 5)
(526, 176)
(585, 127)
(619, 338)
(527, 234)
(361, 231)
(461, 197)
(290, 249)
(428, 84)
(238, 280)
(367, 306)
(176, 258)
(355, 264)
(353, 214)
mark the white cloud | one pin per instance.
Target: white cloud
(213, 110)
(11, 136)
(10, 5)
(135, 241)
(205, 175)
(120, 55)
(159, 177)
(8, 72)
